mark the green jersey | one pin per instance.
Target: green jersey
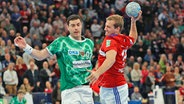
(74, 59)
(15, 100)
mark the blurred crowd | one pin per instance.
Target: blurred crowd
(157, 58)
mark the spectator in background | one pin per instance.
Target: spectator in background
(158, 75)
(58, 23)
(48, 89)
(36, 41)
(163, 62)
(11, 79)
(136, 75)
(20, 68)
(170, 60)
(25, 14)
(136, 95)
(5, 36)
(131, 61)
(56, 94)
(34, 20)
(4, 15)
(55, 74)
(34, 30)
(25, 32)
(179, 63)
(26, 86)
(2, 89)
(15, 18)
(48, 25)
(178, 77)
(149, 56)
(49, 37)
(181, 90)
(28, 39)
(2, 46)
(6, 61)
(35, 65)
(12, 35)
(149, 84)
(180, 47)
(144, 72)
(32, 74)
(45, 74)
(140, 49)
(13, 6)
(169, 79)
(9, 26)
(96, 29)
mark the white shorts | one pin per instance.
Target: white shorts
(116, 95)
(78, 95)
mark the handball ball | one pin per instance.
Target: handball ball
(132, 9)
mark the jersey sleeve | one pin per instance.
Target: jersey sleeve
(55, 46)
(110, 44)
(129, 42)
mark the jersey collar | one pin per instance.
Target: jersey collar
(83, 39)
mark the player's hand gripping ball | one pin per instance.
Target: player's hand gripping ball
(132, 9)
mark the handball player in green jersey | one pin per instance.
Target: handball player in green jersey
(74, 54)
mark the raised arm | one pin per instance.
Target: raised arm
(133, 29)
(37, 54)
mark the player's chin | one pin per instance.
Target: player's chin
(77, 34)
(106, 33)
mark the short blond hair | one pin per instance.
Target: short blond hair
(117, 19)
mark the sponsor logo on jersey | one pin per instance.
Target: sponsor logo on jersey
(73, 52)
(82, 64)
(108, 42)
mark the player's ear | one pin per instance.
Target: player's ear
(118, 29)
(67, 27)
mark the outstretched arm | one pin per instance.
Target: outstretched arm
(133, 29)
(37, 54)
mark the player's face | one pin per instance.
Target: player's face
(75, 28)
(109, 28)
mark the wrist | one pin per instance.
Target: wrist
(28, 49)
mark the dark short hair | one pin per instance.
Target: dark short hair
(73, 17)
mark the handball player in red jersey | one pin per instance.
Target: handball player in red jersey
(111, 61)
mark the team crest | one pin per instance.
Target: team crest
(108, 42)
(82, 53)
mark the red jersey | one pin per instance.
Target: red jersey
(114, 76)
(181, 89)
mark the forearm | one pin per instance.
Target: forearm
(109, 61)
(133, 31)
(37, 54)
(107, 64)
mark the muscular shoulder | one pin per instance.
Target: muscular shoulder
(60, 39)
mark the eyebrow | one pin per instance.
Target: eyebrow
(75, 23)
